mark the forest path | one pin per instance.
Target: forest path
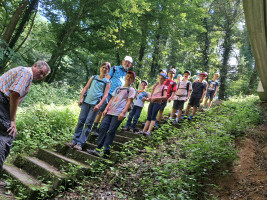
(248, 177)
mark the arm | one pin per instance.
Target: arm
(126, 108)
(217, 87)
(203, 94)
(84, 91)
(14, 102)
(96, 108)
(188, 95)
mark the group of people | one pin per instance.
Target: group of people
(109, 96)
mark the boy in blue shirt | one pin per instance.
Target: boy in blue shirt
(141, 97)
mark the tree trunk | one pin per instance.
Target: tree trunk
(155, 57)
(227, 48)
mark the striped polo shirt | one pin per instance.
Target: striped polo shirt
(18, 79)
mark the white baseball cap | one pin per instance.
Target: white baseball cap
(128, 58)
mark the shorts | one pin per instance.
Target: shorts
(152, 112)
(163, 105)
(104, 105)
(210, 94)
(194, 101)
(178, 104)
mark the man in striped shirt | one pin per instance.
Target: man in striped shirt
(14, 86)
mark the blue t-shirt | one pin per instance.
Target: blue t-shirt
(96, 90)
(213, 85)
(117, 78)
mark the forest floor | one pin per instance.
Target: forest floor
(247, 179)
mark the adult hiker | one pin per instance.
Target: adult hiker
(14, 86)
(117, 78)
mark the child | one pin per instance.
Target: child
(114, 114)
(159, 93)
(170, 85)
(141, 97)
(96, 91)
(199, 89)
(183, 90)
(213, 86)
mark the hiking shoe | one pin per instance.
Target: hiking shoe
(78, 147)
(70, 144)
(125, 128)
(94, 152)
(190, 118)
(156, 125)
(2, 184)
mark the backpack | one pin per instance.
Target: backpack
(118, 89)
(94, 78)
(187, 88)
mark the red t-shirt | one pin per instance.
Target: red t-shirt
(169, 84)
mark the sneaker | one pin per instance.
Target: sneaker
(78, 147)
(156, 125)
(2, 184)
(95, 133)
(148, 133)
(184, 117)
(125, 128)
(93, 152)
(190, 118)
(70, 144)
(106, 154)
(174, 122)
(140, 133)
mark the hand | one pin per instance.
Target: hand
(80, 102)
(149, 99)
(186, 99)
(121, 117)
(144, 99)
(169, 99)
(97, 107)
(214, 96)
(12, 129)
(104, 112)
(201, 100)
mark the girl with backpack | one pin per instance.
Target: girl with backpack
(159, 93)
(93, 95)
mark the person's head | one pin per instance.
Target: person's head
(144, 85)
(171, 73)
(186, 74)
(162, 78)
(130, 77)
(202, 76)
(127, 62)
(162, 71)
(179, 77)
(40, 70)
(216, 76)
(104, 68)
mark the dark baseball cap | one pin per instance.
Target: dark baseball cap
(187, 71)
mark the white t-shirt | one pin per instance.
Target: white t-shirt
(181, 90)
(138, 99)
(120, 100)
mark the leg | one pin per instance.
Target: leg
(5, 146)
(114, 125)
(136, 116)
(172, 113)
(82, 118)
(130, 117)
(155, 111)
(104, 126)
(159, 117)
(87, 127)
(194, 110)
(149, 115)
(179, 113)
(187, 109)
(146, 126)
(205, 102)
